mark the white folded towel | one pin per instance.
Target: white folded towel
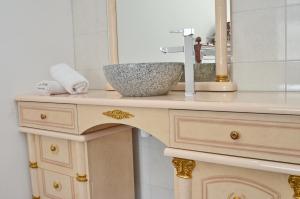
(70, 79)
(49, 88)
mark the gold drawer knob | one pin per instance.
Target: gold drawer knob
(57, 186)
(43, 116)
(235, 135)
(54, 148)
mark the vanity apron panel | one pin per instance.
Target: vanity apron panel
(262, 136)
(153, 121)
(49, 116)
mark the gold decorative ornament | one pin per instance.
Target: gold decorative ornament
(118, 114)
(43, 116)
(33, 165)
(236, 196)
(235, 135)
(222, 78)
(81, 178)
(54, 148)
(294, 182)
(36, 197)
(184, 167)
(57, 186)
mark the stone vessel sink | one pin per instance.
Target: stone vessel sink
(143, 79)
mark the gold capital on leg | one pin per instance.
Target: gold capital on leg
(294, 181)
(184, 167)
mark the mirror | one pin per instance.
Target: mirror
(144, 25)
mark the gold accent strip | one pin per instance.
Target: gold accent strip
(222, 78)
(33, 165)
(81, 178)
(36, 197)
(118, 114)
(294, 182)
(184, 167)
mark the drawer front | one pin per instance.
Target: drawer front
(211, 181)
(55, 151)
(57, 117)
(272, 137)
(55, 185)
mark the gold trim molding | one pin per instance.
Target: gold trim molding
(184, 167)
(81, 178)
(222, 78)
(118, 114)
(33, 165)
(294, 182)
(36, 197)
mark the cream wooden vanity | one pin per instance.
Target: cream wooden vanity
(224, 145)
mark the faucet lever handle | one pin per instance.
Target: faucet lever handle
(185, 31)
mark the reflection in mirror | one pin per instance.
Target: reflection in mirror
(144, 26)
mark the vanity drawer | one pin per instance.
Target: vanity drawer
(262, 136)
(53, 151)
(57, 117)
(55, 185)
(213, 181)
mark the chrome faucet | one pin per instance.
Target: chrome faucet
(188, 50)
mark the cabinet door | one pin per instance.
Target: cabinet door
(211, 181)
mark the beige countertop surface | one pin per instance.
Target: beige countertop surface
(251, 102)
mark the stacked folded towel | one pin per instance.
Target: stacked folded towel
(67, 80)
(49, 88)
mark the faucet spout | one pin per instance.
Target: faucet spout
(177, 49)
(188, 49)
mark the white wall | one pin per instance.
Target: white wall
(266, 44)
(153, 171)
(33, 36)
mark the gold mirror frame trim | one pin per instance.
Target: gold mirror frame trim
(222, 78)
(36, 197)
(184, 167)
(294, 182)
(33, 165)
(118, 114)
(81, 178)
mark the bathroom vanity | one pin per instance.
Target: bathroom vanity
(224, 145)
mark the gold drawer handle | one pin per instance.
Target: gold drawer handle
(57, 186)
(118, 114)
(54, 148)
(235, 135)
(43, 116)
(81, 178)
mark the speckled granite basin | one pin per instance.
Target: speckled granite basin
(143, 79)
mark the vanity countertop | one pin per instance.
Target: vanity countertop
(251, 102)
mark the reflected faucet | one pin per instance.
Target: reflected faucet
(188, 50)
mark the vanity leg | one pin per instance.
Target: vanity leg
(81, 176)
(294, 181)
(33, 166)
(184, 169)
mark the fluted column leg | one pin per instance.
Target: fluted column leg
(33, 166)
(294, 181)
(81, 183)
(184, 169)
